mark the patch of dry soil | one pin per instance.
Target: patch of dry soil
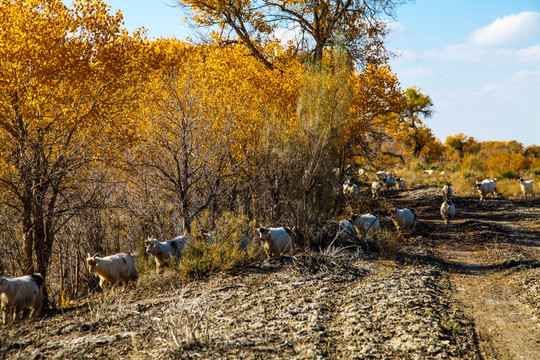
(469, 290)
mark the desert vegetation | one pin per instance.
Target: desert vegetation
(108, 138)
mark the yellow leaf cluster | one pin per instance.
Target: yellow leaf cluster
(233, 92)
(68, 79)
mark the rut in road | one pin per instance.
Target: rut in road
(506, 328)
(485, 251)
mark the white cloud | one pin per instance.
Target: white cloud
(510, 29)
(528, 76)
(484, 44)
(493, 88)
(470, 52)
(485, 54)
(396, 28)
(529, 54)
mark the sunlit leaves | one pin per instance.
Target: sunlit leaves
(68, 91)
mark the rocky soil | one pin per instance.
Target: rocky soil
(469, 290)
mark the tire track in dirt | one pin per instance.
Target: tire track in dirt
(505, 327)
(478, 248)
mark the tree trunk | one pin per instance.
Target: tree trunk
(184, 207)
(28, 233)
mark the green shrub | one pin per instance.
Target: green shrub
(508, 174)
(451, 325)
(223, 252)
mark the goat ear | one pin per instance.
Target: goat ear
(88, 256)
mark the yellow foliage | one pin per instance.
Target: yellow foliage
(65, 73)
(232, 92)
(69, 80)
(377, 94)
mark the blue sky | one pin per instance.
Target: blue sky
(479, 60)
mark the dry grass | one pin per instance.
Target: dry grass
(464, 182)
(152, 282)
(185, 323)
(463, 186)
(508, 187)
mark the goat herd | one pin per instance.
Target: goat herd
(27, 292)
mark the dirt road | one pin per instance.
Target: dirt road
(489, 251)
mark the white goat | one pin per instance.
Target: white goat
(275, 240)
(448, 209)
(376, 189)
(366, 222)
(390, 182)
(168, 251)
(350, 189)
(527, 187)
(18, 294)
(401, 183)
(118, 268)
(381, 175)
(486, 187)
(404, 219)
(447, 191)
(346, 230)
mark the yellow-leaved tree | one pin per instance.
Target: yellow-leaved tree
(406, 126)
(204, 112)
(377, 99)
(461, 144)
(67, 87)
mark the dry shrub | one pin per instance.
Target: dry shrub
(332, 260)
(106, 309)
(473, 163)
(143, 262)
(388, 244)
(508, 187)
(463, 186)
(184, 325)
(223, 252)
